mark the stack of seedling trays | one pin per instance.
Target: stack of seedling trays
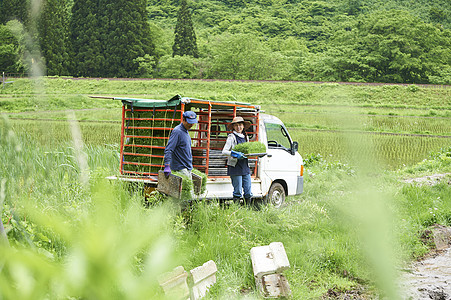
(146, 133)
(217, 163)
(199, 157)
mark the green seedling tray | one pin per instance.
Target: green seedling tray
(256, 154)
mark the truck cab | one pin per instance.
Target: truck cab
(147, 123)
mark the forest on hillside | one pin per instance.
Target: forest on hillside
(400, 41)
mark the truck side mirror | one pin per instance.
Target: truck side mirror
(294, 148)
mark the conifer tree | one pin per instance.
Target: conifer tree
(108, 36)
(14, 10)
(185, 37)
(128, 37)
(53, 37)
(86, 38)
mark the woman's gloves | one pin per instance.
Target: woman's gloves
(238, 155)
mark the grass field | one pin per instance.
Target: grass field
(73, 234)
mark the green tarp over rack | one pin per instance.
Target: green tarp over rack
(174, 101)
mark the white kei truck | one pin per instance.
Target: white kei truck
(147, 124)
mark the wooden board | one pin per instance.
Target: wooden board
(171, 185)
(197, 183)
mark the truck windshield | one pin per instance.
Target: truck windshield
(277, 136)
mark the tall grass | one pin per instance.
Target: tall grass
(70, 239)
(54, 133)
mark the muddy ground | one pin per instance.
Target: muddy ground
(430, 277)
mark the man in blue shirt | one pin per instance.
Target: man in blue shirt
(177, 154)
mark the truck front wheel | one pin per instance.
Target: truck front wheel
(276, 195)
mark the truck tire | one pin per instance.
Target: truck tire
(276, 195)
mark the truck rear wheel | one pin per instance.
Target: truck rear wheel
(276, 195)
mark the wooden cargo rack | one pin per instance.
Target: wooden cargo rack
(147, 124)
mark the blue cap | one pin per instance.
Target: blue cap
(190, 117)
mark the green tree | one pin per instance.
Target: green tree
(108, 36)
(10, 50)
(178, 67)
(128, 38)
(387, 46)
(12, 47)
(438, 14)
(162, 39)
(145, 65)
(398, 47)
(353, 7)
(87, 37)
(185, 37)
(53, 38)
(14, 10)
(244, 56)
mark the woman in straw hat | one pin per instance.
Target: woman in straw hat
(237, 164)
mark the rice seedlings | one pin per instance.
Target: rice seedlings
(250, 147)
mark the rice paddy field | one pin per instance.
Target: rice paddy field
(394, 125)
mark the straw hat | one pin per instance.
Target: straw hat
(235, 120)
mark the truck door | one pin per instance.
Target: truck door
(281, 163)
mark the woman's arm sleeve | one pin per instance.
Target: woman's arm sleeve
(228, 146)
